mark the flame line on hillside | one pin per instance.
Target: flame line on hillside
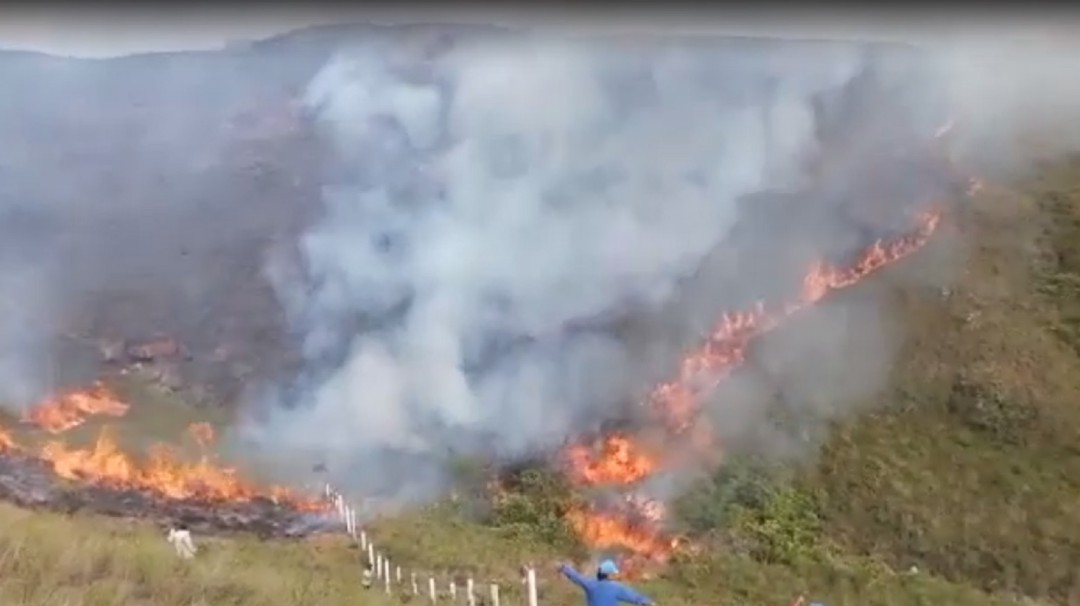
(71, 409)
(677, 402)
(163, 473)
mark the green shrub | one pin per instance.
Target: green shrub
(533, 502)
(709, 505)
(786, 530)
(752, 506)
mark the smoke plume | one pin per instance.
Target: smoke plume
(492, 211)
(517, 235)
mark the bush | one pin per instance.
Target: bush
(749, 504)
(786, 530)
(710, 505)
(987, 410)
(533, 502)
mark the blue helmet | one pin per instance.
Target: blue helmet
(608, 568)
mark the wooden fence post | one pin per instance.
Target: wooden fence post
(494, 594)
(531, 580)
(378, 566)
(431, 589)
(386, 575)
(371, 553)
(470, 597)
(363, 540)
(453, 591)
(412, 580)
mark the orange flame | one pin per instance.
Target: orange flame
(617, 463)
(71, 409)
(701, 370)
(7, 443)
(163, 473)
(202, 433)
(677, 401)
(635, 532)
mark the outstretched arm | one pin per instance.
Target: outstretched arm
(629, 596)
(575, 577)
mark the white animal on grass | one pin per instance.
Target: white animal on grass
(181, 541)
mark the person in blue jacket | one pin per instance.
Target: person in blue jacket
(604, 591)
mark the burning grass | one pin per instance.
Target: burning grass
(978, 435)
(621, 460)
(636, 524)
(165, 483)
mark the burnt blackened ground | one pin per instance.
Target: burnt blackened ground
(29, 482)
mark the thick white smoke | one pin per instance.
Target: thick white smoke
(24, 311)
(489, 203)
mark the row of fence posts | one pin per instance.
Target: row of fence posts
(381, 568)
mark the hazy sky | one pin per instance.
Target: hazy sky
(99, 32)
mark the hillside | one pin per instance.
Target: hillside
(953, 482)
(964, 469)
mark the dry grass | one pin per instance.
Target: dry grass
(49, 559)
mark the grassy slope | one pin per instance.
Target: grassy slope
(970, 470)
(49, 559)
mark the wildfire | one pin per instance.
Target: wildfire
(163, 472)
(6, 441)
(618, 462)
(622, 461)
(635, 532)
(70, 410)
(202, 433)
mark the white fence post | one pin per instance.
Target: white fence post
(380, 564)
(531, 580)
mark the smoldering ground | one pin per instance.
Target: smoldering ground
(128, 209)
(508, 218)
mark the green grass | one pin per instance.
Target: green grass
(50, 559)
(967, 466)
